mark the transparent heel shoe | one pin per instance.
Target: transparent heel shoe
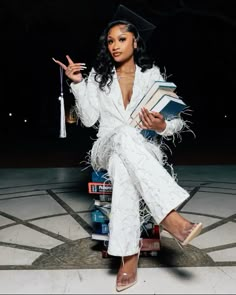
(192, 233)
(126, 280)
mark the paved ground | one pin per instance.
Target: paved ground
(45, 244)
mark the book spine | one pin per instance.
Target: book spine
(98, 216)
(157, 85)
(135, 121)
(145, 99)
(105, 198)
(102, 203)
(101, 228)
(100, 237)
(99, 188)
(148, 253)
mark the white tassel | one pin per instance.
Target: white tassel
(62, 117)
(62, 108)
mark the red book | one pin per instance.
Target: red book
(99, 188)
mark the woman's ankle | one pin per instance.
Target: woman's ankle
(176, 224)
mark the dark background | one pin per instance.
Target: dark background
(194, 43)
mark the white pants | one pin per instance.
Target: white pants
(136, 170)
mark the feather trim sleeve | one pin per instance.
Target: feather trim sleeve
(86, 100)
(174, 128)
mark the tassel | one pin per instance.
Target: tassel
(62, 117)
(62, 108)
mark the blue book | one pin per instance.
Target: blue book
(169, 106)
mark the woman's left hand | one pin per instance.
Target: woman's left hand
(152, 120)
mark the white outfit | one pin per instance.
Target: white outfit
(134, 164)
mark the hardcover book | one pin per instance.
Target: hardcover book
(169, 106)
(157, 90)
(99, 188)
(100, 237)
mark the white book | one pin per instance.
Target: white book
(105, 210)
(100, 203)
(100, 237)
(155, 92)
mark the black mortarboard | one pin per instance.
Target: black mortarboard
(144, 27)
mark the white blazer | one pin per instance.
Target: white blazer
(107, 108)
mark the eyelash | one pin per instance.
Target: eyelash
(111, 41)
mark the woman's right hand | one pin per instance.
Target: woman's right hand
(73, 70)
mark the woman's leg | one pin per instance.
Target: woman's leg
(135, 171)
(124, 224)
(151, 180)
(157, 187)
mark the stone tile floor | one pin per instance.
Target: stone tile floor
(45, 244)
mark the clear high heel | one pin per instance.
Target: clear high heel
(126, 280)
(192, 233)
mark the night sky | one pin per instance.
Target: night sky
(194, 43)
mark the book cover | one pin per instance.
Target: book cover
(156, 90)
(158, 95)
(99, 188)
(169, 106)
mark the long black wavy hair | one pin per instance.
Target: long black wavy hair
(104, 63)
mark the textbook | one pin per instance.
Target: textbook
(105, 210)
(157, 90)
(99, 203)
(169, 106)
(100, 237)
(104, 197)
(99, 188)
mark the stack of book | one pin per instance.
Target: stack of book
(161, 97)
(102, 193)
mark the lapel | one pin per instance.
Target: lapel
(115, 94)
(137, 88)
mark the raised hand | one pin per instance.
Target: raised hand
(73, 70)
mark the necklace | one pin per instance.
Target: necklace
(125, 74)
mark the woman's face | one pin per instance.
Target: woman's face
(121, 43)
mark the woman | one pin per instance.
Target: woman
(119, 79)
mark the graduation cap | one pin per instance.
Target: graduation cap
(144, 27)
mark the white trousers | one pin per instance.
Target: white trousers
(136, 170)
